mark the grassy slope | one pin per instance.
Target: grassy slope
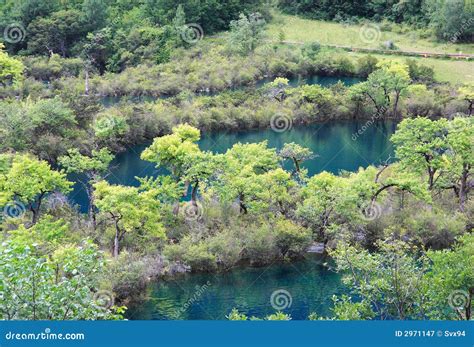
(298, 29)
(304, 30)
(445, 70)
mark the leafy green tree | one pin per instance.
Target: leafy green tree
(242, 177)
(385, 86)
(95, 13)
(172, 151)
(164, 188)
(460, 158)
(31, 9)
(420, 145)
(179, 21)
(98, 49)
(450, 19)
(11, 69)
(93, 166)
(394, 78)
(129, 211)
(243, 185)
(46, 235)
(451, 280)
(291, 238)
(56, 287)
(372, 182)
(213, 15)
(420, 73)
(46, 128)
(279, 190)
(315, 94)
(390, 281)
(326, 200)
(52, 122)
(397, 282)
(366, 65)
(297, 154)
(141, 44)
(29, 181)
(56, 34)
(246, 33)
(199, 167)
(421, 101)
(107, 127)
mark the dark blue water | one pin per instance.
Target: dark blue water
(309, 287)
(332, 141)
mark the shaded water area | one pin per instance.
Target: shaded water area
(300, 288)
(333, 142)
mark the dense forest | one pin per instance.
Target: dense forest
(83, 80)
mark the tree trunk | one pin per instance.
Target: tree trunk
(395, 104)
(431, 173)
(380, 190)
(297, 165)
(35, 215)
(36, 210)
(243, 208)
(116, 240)
(469, 304)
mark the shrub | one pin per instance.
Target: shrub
(194, 254)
